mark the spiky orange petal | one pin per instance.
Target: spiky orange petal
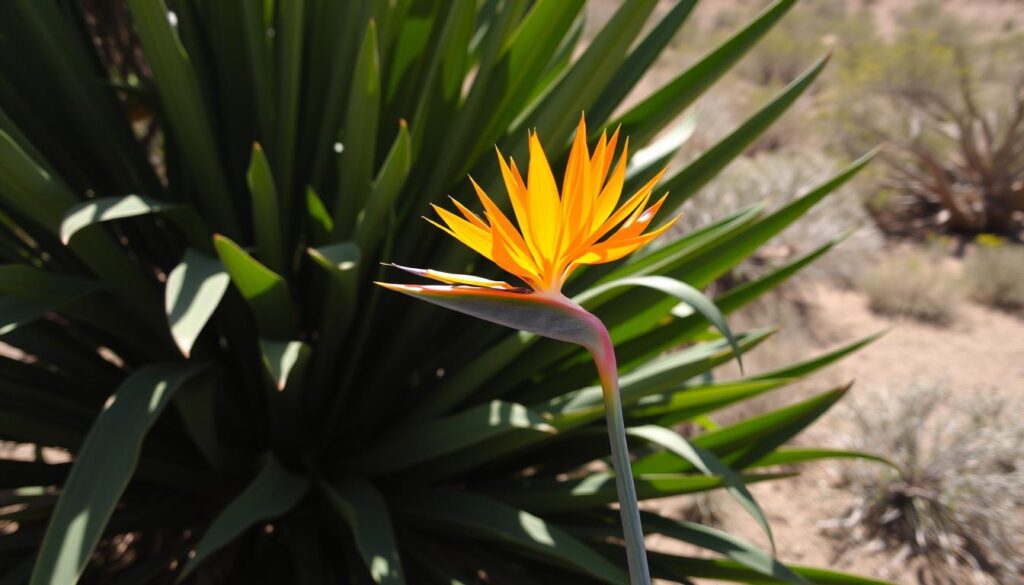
(554, 232)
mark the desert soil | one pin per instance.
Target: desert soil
(981, 351)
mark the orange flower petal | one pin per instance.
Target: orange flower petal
(543, 205)
(507, 234)
(554, 232)
(469, 215)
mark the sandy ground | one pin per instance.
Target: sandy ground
(982, 350)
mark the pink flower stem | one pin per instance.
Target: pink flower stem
(603, 353)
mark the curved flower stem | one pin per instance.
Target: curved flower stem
(603, 353)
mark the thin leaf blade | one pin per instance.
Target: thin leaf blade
(273, 492)
(366, 514)
(102, 469)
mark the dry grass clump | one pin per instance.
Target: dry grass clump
(956, 495)
(914, 285)
(995, 275)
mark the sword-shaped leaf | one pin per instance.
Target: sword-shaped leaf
(194, 290)
(273, 491)
(487, 519)
(365, 513)
(103, 466)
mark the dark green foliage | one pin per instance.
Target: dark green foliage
(193, 208)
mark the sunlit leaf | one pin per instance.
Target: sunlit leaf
(102, 469)
(194, 290)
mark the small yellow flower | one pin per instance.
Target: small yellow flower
(558, 231)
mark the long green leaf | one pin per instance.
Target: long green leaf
(194, 290)
(265, 290)
(792, 455)
(365, 512)
(29, 186)
(737, 549)
(340, 264)
(667, 373)
(318, 219)
(598, 489)
(360, 136)
(653, 342)
(697, 174)
(647, 118)
(583, 82)
(444, 67)
(266, 212)
(561, 60)
(197, 405)
(709, 465)
(811, 365)
(64, 70)
(339, 28)
(289, 41)
(747, 441)
(182, 101)
(680, 290)
(672, 407)
(386, 189)
(662, 259)
(487, 519)
(273, 492)
(257, 64)
(43, 198)
(103, 466)
(714, 259)
(639, 61)
(28, 293)
(448, 435)
(94, 211)
(477, 109)
(648, 161)
(521, 61)
(677, 567)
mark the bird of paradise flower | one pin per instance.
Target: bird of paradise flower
(557, 231)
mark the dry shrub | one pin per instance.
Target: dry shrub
(949, 102)
(995, 275)
(955, 495)
(914, 285)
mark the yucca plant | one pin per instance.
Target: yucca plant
(195, 200)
